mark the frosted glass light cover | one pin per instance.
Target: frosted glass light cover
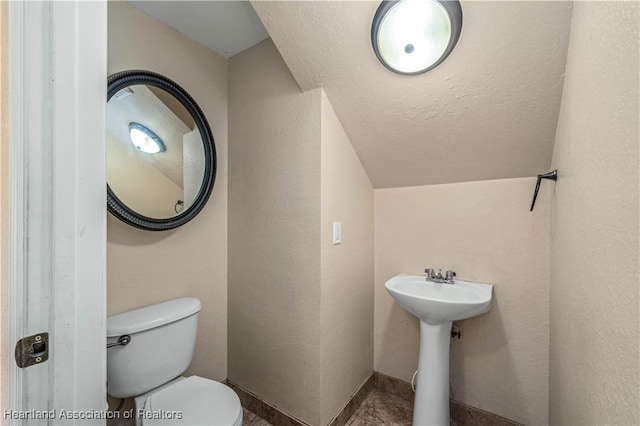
(413, 35)
(144, 139)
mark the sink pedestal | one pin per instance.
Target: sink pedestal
(440, 304)
(431, 404)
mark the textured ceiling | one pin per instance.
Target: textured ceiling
(489, 111)
(226, 27)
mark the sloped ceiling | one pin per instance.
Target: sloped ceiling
(489, 111)
(226, 27)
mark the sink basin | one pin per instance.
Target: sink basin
(437, 303)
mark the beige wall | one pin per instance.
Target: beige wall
(274, 231)
(594, 362)
(347, 268)
(485, 232)
(300, 308)
(146, 267)
(192, 165)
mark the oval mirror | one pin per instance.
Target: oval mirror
(161, 158)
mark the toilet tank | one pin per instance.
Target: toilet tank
(163, 338)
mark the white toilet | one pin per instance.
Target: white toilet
(161, 339)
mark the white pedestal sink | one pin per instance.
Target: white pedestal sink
(437, 305)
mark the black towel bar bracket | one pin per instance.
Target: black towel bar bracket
(551, 176)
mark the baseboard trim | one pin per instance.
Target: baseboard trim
(395, 386)
(278, 417)
(461, 414)
(263, 409)
(354, 402)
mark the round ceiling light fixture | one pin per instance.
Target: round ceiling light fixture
(413, 36)
(144, 139)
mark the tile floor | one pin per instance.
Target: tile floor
(250, 419)
(379, 408)
(383, 408)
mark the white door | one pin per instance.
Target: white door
(57, 59)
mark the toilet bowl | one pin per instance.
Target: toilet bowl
(147, 351)
(197, 401)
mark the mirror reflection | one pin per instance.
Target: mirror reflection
(155, 152)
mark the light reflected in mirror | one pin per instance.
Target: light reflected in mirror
(158, 185)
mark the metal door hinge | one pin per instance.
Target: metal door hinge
(32, 350)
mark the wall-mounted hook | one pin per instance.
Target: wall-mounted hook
(552, 176)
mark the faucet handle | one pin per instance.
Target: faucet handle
(429, 272)
(450, 275)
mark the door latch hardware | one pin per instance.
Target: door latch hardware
(32, 350)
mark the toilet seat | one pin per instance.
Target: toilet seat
(193, 401)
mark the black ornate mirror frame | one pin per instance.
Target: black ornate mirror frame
(119, 81)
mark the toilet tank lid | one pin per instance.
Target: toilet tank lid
(151, 316)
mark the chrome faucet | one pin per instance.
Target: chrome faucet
(437, 277)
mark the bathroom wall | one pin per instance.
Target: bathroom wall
(347, 268)
(274, 233)
(594, 351)
(485, 232)
(300, 308)
(146, 267)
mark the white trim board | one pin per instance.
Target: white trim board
(57, 84)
